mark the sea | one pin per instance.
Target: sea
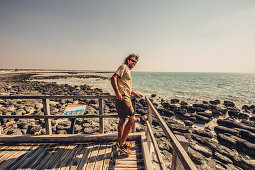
(187, 86)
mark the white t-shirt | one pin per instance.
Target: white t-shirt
(125, 80)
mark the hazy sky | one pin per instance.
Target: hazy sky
(169, 35)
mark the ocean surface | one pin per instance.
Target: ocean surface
(237, 87)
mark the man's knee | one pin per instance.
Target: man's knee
(133, 119)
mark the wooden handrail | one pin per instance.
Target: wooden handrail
(59, 97)
(59, 116)
(184, 158)
(154, 142)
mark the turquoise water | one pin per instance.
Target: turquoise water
(238, 87)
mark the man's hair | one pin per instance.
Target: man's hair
(129, 56)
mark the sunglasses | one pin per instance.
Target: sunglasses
(133, 61)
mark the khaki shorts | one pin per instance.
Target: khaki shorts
(124, 107)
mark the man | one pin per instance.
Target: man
(122, 85)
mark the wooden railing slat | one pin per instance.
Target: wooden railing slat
(154, 142)
(182, 154)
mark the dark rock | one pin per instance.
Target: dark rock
(252, 118)
(245, 107)
(175, 101)
(199, 109)
(141, 111)
(227, 140)
(33, 129)
(195, 156)
(204, 106)
(188, 123)
(165, 112)
(180, 112)
(202, 119)
(208, 115)
(153, 95)
(205, 102)
(243, 116)
(12, 131)
(183, 103)
(233, 113)
(222, 129)
(203, 133)
(222, 158)
(249, 136)
(179, 128)
(215, 102)
(232, 124)
(229, 104)
(246, 147)
(202, 149)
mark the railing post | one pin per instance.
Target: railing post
(176, 163)
(133, 103)
(46, 109)
(149, 141)
(101, 120)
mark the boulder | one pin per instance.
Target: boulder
(227, 140)
(233, 124)
(175, 101)
(233, 113)
(203, 133)
(222, 158)
(249, 136)
(243, 116)
(208, 115)
(229, 104)
(12, 131)
(214, 102)
(202, 119)
(202, 149)
(195, 156)
(222, 129)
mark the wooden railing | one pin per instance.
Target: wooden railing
(47, 116)
(177, 147)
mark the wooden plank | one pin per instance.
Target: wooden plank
(46, 110)
(100, 156)
(66, 138)
(68, 151)
(146, 156)
(54, 157)
(71, 160)
(84, 159)
(154, 142)
(24, 159)
(93, 157)
(107, 156)
(12, 155)
(101, 112)
(185, 159)
(47, 157)
(36, 160)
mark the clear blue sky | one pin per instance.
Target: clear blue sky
(169, 35)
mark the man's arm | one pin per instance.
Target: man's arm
(136, 94)
(115, 87)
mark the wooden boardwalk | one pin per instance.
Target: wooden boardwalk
(92, 155)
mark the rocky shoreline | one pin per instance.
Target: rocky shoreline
(220, 135)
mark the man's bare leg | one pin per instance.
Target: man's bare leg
(120, 128)
(127, 129)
